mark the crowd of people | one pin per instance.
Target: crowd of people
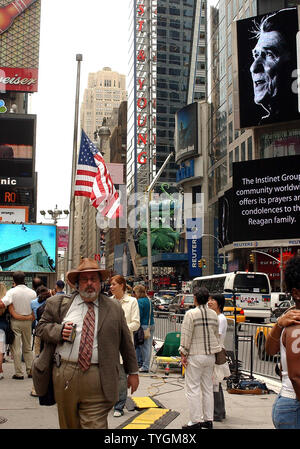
(81, 352)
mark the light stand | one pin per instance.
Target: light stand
(236, 376)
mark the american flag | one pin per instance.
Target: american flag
(94, 181)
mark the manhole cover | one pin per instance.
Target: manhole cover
(2, 420)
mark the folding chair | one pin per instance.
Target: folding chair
(168, 356)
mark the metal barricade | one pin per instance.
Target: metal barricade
(252, 350)
(251, 342)
(166, 322)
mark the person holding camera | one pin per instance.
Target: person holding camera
(84, 333)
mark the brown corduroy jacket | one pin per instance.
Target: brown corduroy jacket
(113, 339)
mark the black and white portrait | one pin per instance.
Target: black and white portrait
(267, 63)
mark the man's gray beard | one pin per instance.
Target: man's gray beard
(92, 295)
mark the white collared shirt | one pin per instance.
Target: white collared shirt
(76, 314)
(20, 296)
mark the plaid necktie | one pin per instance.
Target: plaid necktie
(87, 338)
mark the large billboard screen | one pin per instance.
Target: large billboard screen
(17, 143)
(266, 199)
(266, 69)
(186, 132)
(28, 247)
(19, 45)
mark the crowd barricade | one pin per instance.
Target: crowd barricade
(251, 342)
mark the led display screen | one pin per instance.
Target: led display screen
(266, 62)
(17, 142)
(27, 247)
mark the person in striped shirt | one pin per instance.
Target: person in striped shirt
(198, 345)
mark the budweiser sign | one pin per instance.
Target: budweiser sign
(19, 79)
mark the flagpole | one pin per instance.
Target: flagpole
(74, 160)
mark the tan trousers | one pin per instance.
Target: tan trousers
(82, 405)
(21, 344)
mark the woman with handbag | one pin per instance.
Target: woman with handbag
(216, 302)
(118, 288)
(199, 343)
(144, 351)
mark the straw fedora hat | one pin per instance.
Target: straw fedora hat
(86, 265)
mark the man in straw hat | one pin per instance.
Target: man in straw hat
(85, 371)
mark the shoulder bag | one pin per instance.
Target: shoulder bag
(9, 333)
(147, 331)
(221, 357)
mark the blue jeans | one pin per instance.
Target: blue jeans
(286, 413)
(143, 352)
(122, 389)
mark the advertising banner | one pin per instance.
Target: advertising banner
(194, 239)
(17, 214)
(186, 131)
(62, 237)
(266, 199)
(265, 74)
(19, 45)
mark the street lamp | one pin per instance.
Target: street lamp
(223, 248)
(55, 214)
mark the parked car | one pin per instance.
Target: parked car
(277, 298)
(181, 303)
(228, 311)
(163, 293)
(161, 304)
(282, 307)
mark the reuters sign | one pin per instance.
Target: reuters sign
(19, 45)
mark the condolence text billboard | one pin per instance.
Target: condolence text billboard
(266, 199)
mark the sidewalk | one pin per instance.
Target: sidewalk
(22, 411)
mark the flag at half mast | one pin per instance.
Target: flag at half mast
(93, 180)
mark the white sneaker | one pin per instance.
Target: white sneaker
(1, 376)
(117, 414)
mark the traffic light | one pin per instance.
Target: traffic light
(204, 262)
(252, 258)
(200, 263)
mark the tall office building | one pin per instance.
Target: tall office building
(228, 143)
(106, 90)
(167, 72)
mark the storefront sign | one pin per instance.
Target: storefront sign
(185, 171)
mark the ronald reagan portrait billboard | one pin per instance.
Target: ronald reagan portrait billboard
(265, 69)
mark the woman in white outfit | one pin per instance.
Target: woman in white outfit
(198, 345)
